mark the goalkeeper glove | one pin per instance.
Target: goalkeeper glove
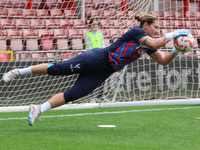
(176, 33)
(175, 51)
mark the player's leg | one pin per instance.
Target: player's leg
(37, 69)
(83, 86)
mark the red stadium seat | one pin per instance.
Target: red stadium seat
(84, 31)
(66, 23)
(59, 33)
(4, 57)
(89, 6)
(106, 23)
(37, 57)
(42, 13)
(28, 33)
(131, 14)
(190, 54)
(45, 33)
(46, 38)
(79, 23)
(6, 4)
(190, 24)
(32, 44)
(62, 44)
(61, 39)
(110, 5)
(75, 33)
(28, 13)
(165, 31)
(20, 4)
(100, 4)
(198, 34)
(31, 39)
(14, 13)
(22, 23)
(37, 24)
(3, 13)
(131, 23)
(168, 24)
(198, 24)
(15, 39)
(179, 24)
(20, 57)
(168, 15)
(107, 42)
(108, 14)
(77, 44)
(53, 4)
(197, 15)
(118, 4)
(157, 14)
(7, 24)
(125, 30)
(189, 15)
(56, 13)
(195, 43)
(105, 32)
(67, 55)
(115, 34)
(16, 45)
(13, 33)
(96, 14)
(3, 45)
(121, 14)
(52, 23)
(52, 55)
(179, 15)
(120, 24)
(70, 14)
(193, 32)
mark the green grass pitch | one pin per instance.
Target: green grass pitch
(138, 128)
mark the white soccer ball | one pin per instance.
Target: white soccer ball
(184, 44)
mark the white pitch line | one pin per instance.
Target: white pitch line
(100, 113)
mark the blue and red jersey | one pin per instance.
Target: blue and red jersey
(127, 48)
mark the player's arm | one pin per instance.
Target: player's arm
(162, 59)
(153, 43)
(159, 42)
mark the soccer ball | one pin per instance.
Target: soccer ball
(184, 43)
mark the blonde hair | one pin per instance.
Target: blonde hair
(146, 18)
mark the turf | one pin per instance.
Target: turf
(141, 128)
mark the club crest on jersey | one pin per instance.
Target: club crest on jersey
(74, 67)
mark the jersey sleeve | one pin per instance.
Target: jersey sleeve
(137, 33)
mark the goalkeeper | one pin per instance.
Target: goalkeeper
(96, 65)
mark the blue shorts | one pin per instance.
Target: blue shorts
(93, 68)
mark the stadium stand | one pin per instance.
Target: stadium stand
(70, 14)
(189, 15)
(168, 15)
(4, 57)
(15, 39)
(3, 45)
(22, 23)
(179, 15)
(7, 24)
(31, 39)
(120, 14)
(28, 13)
(56, 13)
